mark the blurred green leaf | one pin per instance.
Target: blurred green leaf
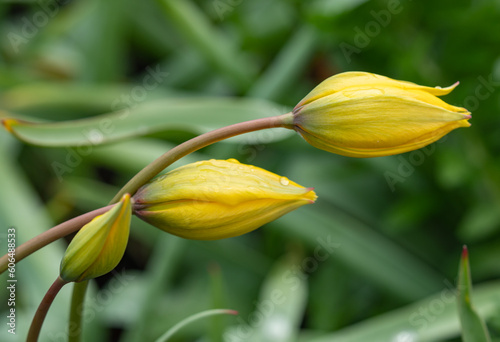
(131, 156)
(197, 115)
(480, 221)
(432, 319)
(95, 30)
(21, 209)
(44, 97)
(280, 307)
(362, 249)
(473, 327)
(196, 27)
(332, 8)
(166, 254)
(282, 74)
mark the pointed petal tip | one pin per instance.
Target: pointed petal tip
(311, 195)
(446, 90)
(465, 123)
(453, 86)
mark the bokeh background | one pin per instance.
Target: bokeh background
(374, 259)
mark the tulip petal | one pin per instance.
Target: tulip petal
(366, 115)
(217, 199)
(349, 80)
(99, 245)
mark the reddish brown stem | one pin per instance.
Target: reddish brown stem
(51, 235)
(43, 308)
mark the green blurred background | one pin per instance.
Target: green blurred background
(374, 259)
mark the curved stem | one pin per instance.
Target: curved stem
(43, 308)
(144, 176)
(76, 311)
(51, 235)
(190, 319)
(182, 150)
(197, 143)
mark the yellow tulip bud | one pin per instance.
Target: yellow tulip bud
(99, 245)
(217, 199)
(358, 114)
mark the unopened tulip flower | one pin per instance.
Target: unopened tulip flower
(217, 199)
(99, 245)
(358, 114)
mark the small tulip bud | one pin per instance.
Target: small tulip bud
(99, 245)
(358, 114)
(217, 199)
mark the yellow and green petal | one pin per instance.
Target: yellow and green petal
(99, 245)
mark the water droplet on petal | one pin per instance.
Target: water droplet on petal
(284, 181)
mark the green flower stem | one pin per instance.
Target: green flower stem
(43, 308)
(197, 143)
(51, 235)
(76, 311)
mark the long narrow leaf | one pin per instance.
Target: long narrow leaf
(197, 115)
(473, 327)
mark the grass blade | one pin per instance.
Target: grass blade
(193, 318)
(473, 327)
